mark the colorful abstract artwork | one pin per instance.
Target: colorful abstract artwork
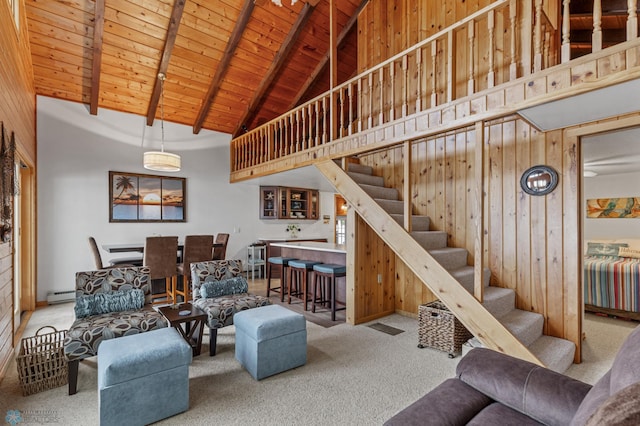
(613, 208)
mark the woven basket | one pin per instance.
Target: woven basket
(41, 361)
(438, 328)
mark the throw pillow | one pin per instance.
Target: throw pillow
(212, 288)
(627, 252)
(620, 409)
(604, 249)
(111, 301)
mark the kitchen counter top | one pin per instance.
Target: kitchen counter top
(313, 245)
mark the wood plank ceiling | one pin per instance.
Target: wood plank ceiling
(229, 64)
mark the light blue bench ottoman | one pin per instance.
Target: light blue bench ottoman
(270, 339)
(143, 378)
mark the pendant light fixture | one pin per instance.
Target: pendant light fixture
(279, 2)
(161, 161)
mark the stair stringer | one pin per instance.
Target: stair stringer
(464, 306)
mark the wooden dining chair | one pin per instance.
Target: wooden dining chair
(160, 255)
(123, 262)
(219, 253)
(197, 248)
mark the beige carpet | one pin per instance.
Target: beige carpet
(354, 375)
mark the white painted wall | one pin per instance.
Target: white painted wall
(76, 151)
(611, 186)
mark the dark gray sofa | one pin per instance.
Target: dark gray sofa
(492, 388)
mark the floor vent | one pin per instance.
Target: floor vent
(386, 328)
(61, 296)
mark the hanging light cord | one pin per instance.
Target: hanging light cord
(161, 76)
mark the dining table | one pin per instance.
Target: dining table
(139, 247)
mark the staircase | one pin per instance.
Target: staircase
(557, 354)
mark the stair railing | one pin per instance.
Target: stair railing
(415, 80)
(465, 307)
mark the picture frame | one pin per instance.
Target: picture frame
(137, 197)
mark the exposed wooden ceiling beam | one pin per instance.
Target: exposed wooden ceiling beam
(325, 59)
(172, 32)
(280, 59)
(96, 65)
(223, 66)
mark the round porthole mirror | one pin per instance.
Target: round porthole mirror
(539, 180)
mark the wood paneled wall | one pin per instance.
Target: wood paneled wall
(17, 112)
(530, 243)
(386, 27)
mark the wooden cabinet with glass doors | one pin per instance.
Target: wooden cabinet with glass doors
(289, 203)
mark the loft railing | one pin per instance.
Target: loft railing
(500, 43)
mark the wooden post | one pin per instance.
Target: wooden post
(406, 188)
(478, 266)
(596, 40)
(350, 132)
(333, 61)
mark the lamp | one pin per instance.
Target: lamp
(159, 160)
(589, 173)
(279, 2)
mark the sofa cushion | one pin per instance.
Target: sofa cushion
(110, 301)
(498, 414)
(596, 397)
(217, 288)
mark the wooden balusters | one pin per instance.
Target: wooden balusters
(392, 92)
(342, 113)
(471, 36)
(316, 106)
(537, 37)
(350, 94)
(419, 80)
(632, 20)
(513, 66)
(596, 39)
(370, 115)
(491, 76)
(381, 87)
(434, 73)
(360, 114)
(566, 46)
(405, 85)
(324, 120)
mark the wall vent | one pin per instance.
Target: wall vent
(61, 296)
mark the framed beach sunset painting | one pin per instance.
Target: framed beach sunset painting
(138, 197)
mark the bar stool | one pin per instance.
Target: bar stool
(298, 277)
(284, 262)
(325, 274)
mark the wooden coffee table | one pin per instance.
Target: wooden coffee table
(190, 326)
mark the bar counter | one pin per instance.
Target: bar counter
(321, 252)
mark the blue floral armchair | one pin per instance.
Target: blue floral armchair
(110, 303)
(220, 290)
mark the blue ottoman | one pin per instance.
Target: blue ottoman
(270, 339)
(143, 378)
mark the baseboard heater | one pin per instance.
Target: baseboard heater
(61, 296)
